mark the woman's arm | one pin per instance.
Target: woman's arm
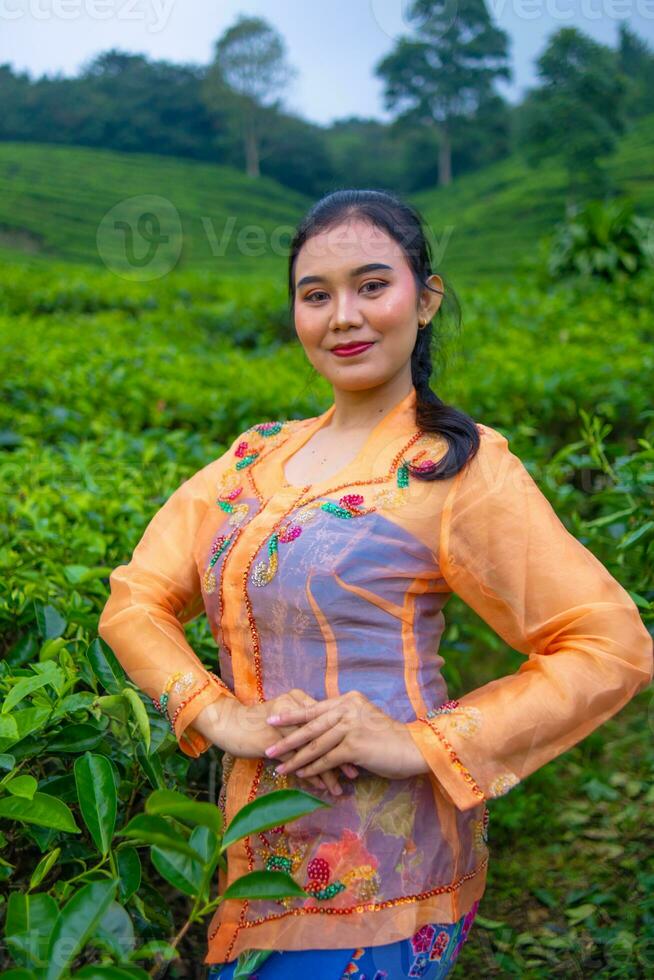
(505, 552)
(151, 598)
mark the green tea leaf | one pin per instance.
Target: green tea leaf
(76, 924)
(264, 885)
(98, 800)
(43, 867)
(171, 803)
(140, 714)
(25, 786)
(105, 666)
(43, 810)
(155, 830)
(277, 807)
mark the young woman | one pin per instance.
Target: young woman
(323, 551)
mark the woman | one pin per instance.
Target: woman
(324, 551)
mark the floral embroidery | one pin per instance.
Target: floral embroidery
(349, 506)
(179, 683)
(503, 783)
(466, 719)
(229, 487)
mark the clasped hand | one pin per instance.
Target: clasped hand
(348, 729)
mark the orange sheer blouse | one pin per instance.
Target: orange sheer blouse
(340, 586)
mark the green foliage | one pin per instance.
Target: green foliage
(602, 238)
(106, 405)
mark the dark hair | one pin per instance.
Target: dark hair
(404, 224)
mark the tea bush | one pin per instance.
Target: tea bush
(111, 397)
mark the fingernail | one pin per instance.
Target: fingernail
(280, 769)
(272, 719)
(272, 750)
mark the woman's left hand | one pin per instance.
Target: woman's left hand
(348, 728)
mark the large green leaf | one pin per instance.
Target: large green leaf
(155, 830)
(75, 925)
(128, 863)
(264, 884)
(28, 924)
(169, 802)
(98, 800)
(270, 810)
(105, 666)
(42, 809)
(182, 872)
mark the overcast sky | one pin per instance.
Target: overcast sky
(333, 45)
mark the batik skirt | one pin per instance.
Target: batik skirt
(430, 953)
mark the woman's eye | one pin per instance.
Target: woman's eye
(321, 292)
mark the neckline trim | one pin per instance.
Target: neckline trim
(400, 417)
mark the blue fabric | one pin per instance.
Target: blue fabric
(430, 954)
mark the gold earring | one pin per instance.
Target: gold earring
(421, 324)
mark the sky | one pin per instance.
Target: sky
(333, 46)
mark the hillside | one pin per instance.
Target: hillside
(488, 222)
(54, 203)
(53, 200)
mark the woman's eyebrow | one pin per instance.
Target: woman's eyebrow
(370, 267)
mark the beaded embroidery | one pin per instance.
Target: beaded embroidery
(503, 783)
(349, 506)
(229, 487)
(179, 683)
(278, 855)
(466, 719)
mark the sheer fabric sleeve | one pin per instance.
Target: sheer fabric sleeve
(505, 552)
(152, 597)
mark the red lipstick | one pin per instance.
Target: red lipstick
(350, 350)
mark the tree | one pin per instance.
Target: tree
(577, 113)
(442, 76)
(636, 62)
(248, 71)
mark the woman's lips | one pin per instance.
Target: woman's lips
(350, 351)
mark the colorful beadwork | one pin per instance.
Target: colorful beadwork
(179, 683)
(229, 487)
(350, 505)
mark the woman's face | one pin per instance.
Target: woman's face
(339, 302)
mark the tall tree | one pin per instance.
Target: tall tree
(442, 75)
(248, 72)
(636, 62)
(577, 112)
